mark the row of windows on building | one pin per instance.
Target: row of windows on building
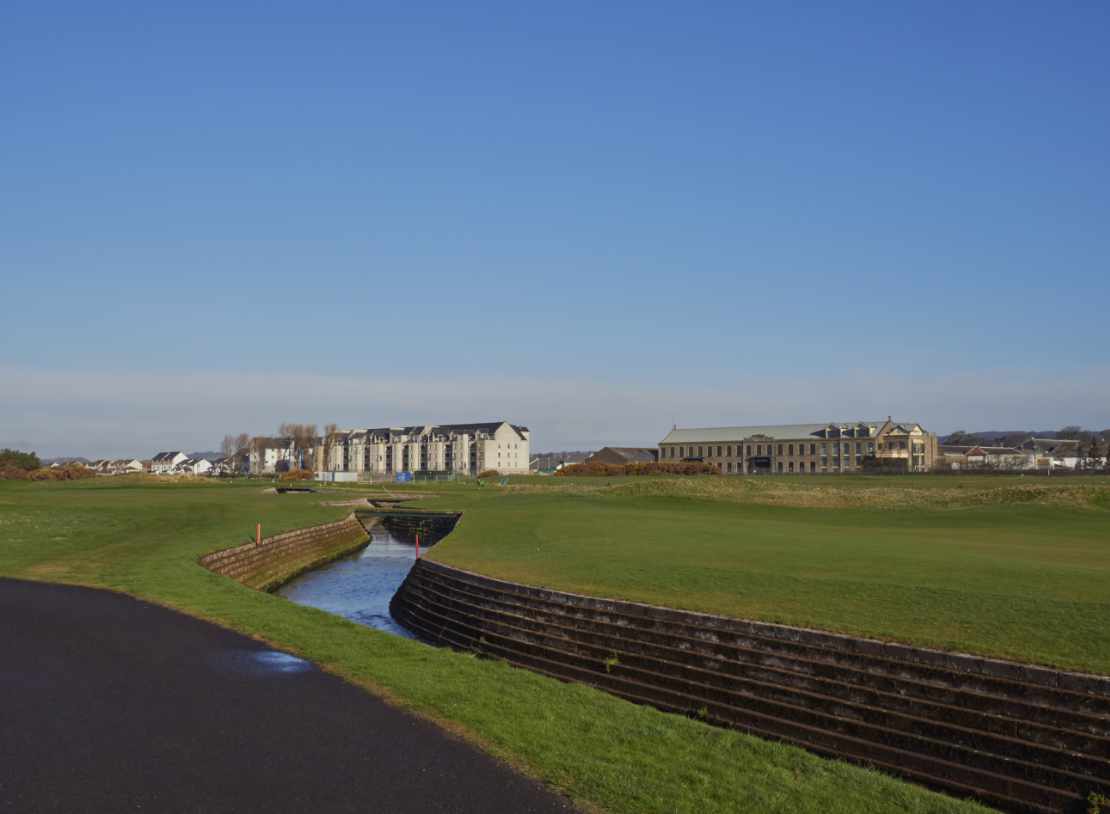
(789, 466)
(748, 450)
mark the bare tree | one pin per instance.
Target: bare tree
(305, 440)
(301, 439)
(242, 441)
(227, 446)
(1083, 452)
(1096, 452)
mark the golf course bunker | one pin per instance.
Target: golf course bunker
(1015, 736)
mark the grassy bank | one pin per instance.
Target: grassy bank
(1001, 566)
(144, 538)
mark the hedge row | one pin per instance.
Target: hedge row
(296, 474)
(47, 473)
(612, 470)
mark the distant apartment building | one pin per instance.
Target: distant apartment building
(835, 447)
(461, 449)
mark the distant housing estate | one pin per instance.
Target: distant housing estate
(835, 447)
(1034, 453)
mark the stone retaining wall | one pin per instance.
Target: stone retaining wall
(1018, 737)
(283, 556)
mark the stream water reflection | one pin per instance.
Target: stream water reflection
(358, 587)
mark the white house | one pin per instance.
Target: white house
(269, 455)
(197, 465)
(194, 466)
(1047, 453)
(124, 466)
(231, 465)
(165, 462)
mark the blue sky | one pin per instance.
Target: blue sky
(597, 221)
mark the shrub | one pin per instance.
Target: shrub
(488, 473)
(296, 474)
(612, 470)
(68, 472)
(14, 459)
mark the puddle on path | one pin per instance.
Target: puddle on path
(358, 587)
(259, 662)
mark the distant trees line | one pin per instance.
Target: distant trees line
(1072, 432)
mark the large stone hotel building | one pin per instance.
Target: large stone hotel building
(431, 448)
(805, 448)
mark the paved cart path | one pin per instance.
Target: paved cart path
(109, 704)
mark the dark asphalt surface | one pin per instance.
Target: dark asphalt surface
(108, 704)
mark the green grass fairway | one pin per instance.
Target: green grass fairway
(144, 538)
(1004, 566)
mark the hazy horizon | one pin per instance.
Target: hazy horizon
(76, 413)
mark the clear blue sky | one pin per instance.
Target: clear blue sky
(643, 199)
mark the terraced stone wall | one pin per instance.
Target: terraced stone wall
(281, 557)
(1017, 737)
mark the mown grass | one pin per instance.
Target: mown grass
(606, 754)
(1010, 567)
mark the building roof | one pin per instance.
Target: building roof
(1057, 446)
(631, 454)
(964, 449)
(263, 442)
(775, 432)
(166, 456)
(487, 427)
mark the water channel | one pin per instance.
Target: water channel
(359, 587)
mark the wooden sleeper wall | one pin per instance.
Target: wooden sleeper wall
(1018, 737)
(281, 557)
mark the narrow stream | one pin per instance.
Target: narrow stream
(358, 587)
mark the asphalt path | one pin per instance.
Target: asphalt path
(109, 704)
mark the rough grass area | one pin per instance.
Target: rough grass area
(145, 538)
(885, 492)
(1000, 566)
